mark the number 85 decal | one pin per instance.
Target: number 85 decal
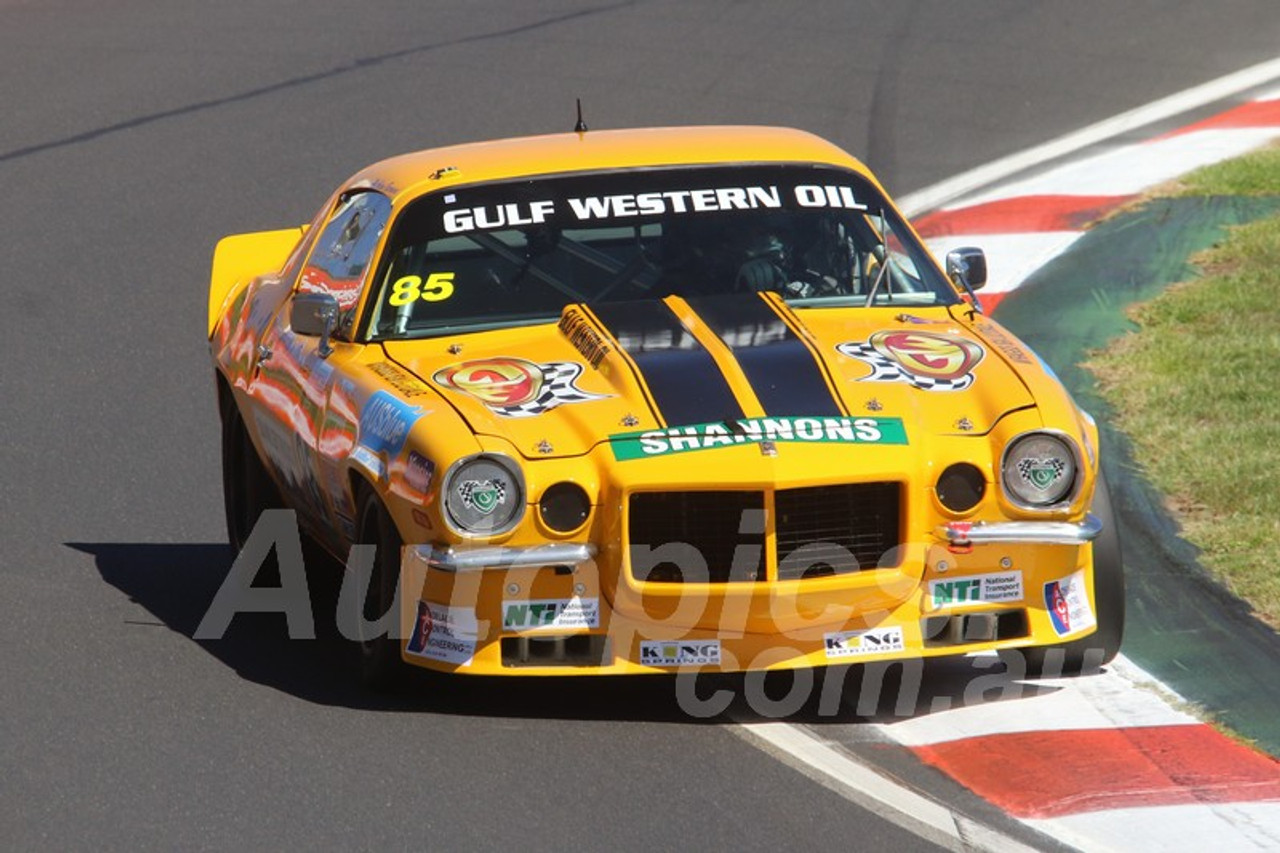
(410, 288)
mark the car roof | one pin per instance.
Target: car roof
(410, 175)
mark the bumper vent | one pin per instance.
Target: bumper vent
(961, 628)
(571, 650)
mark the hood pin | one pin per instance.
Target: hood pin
(874, 405)
(544, 447)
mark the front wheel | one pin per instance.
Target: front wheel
(381, 667)
(1091, 652)
(247, 488)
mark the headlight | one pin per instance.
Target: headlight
(1039, 470)
(483, 495)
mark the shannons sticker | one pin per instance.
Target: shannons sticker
(874, 641)
(679, 652)
(662, 442)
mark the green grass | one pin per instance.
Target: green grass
(1253, 174)
(1197, 389)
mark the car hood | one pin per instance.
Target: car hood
(558, 389)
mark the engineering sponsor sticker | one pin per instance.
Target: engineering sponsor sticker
(873, 641)
(987, 589)
(1067, 601)
(682, 439)
(443, 633)
(551, 613)
(679, 652)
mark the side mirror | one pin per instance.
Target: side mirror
(967, 267)
(314, 314)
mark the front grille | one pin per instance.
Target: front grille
(697, 537)
(718, 537)
(836, 529)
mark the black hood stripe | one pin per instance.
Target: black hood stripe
(785, 374)
(685, 381)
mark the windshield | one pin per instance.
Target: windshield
(501, 254)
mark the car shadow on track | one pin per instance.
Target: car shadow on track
(177, 582)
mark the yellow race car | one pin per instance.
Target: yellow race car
(657, 400)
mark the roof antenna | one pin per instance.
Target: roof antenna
(581, 126)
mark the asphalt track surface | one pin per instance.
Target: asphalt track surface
(135, 134)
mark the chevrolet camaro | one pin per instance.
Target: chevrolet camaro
(659, 400)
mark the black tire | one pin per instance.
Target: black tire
(381, 667)
(247, 488)
(1090, 653)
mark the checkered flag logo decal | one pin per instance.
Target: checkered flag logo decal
(1041, 473)
(885, 369)
(482, 495)
(557, 389)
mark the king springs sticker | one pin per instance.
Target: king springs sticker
(662, 442)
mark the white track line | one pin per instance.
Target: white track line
(862, 784)
(1124, 696)
(1198, 826)
(940, 193)
(1131, 169)
(1011, 258)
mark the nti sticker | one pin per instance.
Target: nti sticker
(551, 613)
(874, 641)
(679, 652)
(1067, 601)
(987, 589)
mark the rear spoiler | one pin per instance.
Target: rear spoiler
(241, 257)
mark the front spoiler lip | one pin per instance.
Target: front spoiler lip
(1027, 532)
(457, 560)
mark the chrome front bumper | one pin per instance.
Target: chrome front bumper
(962, 533)
(453, 559)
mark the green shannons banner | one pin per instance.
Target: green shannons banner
(684, 439)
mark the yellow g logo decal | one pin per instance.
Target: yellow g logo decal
(494, 381)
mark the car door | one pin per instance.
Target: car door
(305, 412)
